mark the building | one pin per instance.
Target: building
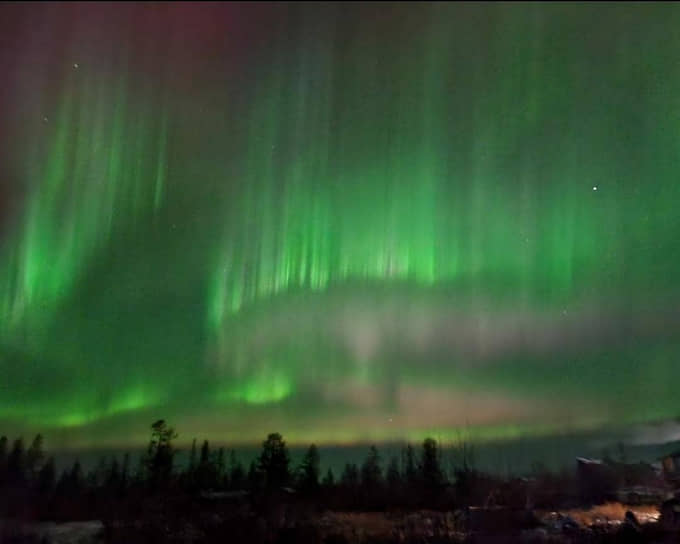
(671, 467)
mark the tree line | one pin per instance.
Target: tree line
(418, 474)
(210, 469)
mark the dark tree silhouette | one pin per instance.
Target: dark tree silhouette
(329, 479)
(350, 476)
(410, 471)
(76, 475)
(255, 477)
(206, 475)
(431, 473)
(349, 490)
(62, 483)
(125, 472)
(467, 478)
(308, 472)
(34, 457)
(237, 475)
(371, 473)
(112, 482)
(205, 453)
(160, 454)
(71, 481)
(16, 463)
(3, 459)
(466, 455)
(99, 474)
(192, 458)
(274, 462)
(46, 476)
(220, 468)
(393, 476)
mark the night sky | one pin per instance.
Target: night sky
(345, 223)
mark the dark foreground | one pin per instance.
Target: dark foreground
(230, 517)
(412, 500)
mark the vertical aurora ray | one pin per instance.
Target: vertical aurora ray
(94, 167)
(99, 139)
(362, 166)
(418, 164)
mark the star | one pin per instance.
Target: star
(75, 65)
(594, 187)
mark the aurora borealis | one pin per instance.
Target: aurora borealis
(343, 222)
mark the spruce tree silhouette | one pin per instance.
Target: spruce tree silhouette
(98, 475)
(205, 453)
(349, 485)
(350, 476)
(393, 476)
(192, 459)
(237, 475)
(371, 473)
(46, 476)
(125, 473)
(112, 482)
(3, 460)
(160, 454)
(205, 473)
(308, 473)
(16, 463)
(76, 476)
(431, 473)
(220, 470)
(34, 457)
(274, 462)
(71, 481)
(410, 471)
(255, 477)
(329, 479)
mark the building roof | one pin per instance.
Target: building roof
(586, 461)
